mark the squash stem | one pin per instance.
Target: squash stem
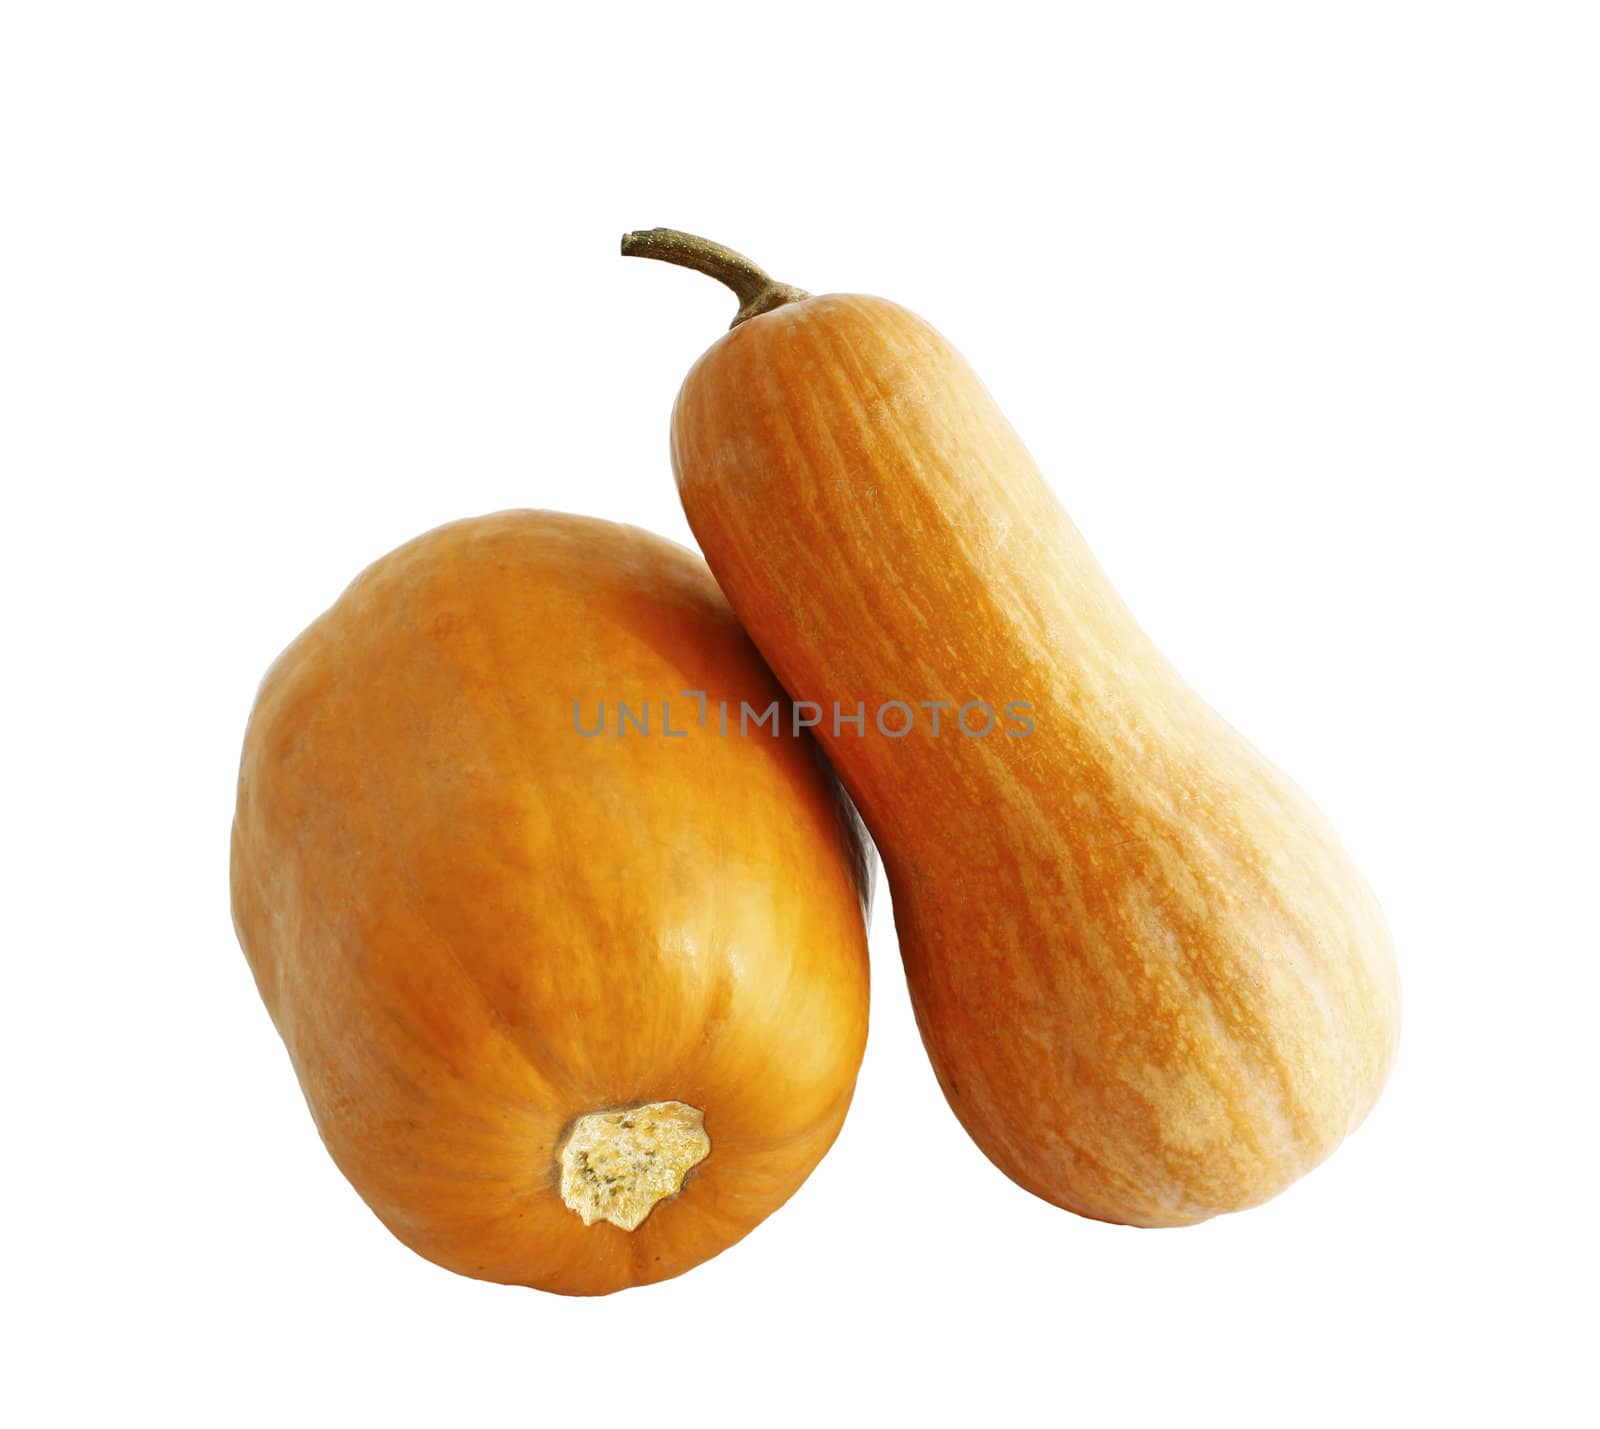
(756, 291)
(616, 1164)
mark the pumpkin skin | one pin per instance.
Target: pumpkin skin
(474, 927)
(1151, 984)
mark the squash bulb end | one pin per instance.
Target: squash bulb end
(617, 1164)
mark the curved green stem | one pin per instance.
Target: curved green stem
(756, 291)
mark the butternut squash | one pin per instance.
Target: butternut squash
(573, 1008)
(1151, 984)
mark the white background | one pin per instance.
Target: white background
(1298, 307)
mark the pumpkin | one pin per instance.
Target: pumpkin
(574, 1005)
(1152, 986)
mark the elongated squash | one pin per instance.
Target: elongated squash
(575, 986)
(1151, 984)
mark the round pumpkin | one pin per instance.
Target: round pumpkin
(574, 981)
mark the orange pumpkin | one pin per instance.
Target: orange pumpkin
(1150, 981)
(571, 1011)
